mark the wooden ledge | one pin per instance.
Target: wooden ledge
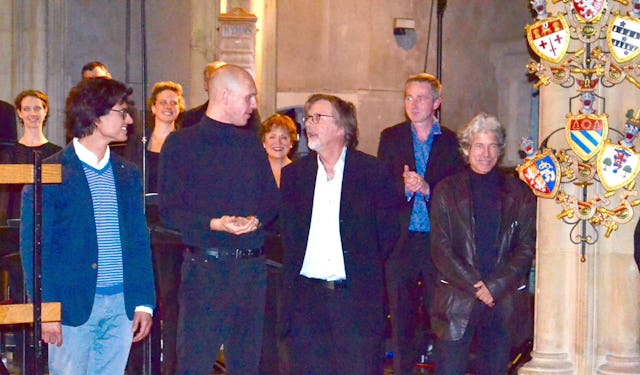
(23, 173)
(23, 313)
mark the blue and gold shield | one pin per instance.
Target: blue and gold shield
(586, 134)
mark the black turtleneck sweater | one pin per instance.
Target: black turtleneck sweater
(484, 194)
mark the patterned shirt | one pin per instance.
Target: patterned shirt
(421, 150)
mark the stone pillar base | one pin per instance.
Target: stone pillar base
(547, 363)
(620, 365)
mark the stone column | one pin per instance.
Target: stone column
(204, 20)
(556, 264)
(617, 314)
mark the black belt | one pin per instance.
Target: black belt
(333, 284)
(216, 252)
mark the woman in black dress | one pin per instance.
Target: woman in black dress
(32, 107)
(166, 104)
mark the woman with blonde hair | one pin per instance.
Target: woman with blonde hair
(166, 104)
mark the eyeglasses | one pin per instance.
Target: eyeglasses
(314, 118)
(123, 112)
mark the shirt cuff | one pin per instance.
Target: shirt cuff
(145, 308)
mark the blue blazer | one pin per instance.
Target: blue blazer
(69, 240)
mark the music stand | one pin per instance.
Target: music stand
(38, 312)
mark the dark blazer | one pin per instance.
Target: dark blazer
(69, 240)
(8, 131)
(396, 149)
(368, 230)
(194, 115)
(453, 250)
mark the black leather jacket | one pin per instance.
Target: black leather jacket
(453, 250)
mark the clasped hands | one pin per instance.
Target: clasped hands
(483, 294)
(235, 224)
(414, 183)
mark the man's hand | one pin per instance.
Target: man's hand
(52, 333)
(483, 294)
(413, 182)
(141, 325)
(235, 224)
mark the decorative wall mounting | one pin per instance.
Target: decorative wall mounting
(591, 156)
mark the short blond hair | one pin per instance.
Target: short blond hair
(432, 81)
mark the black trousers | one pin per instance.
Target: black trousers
(408, 301)
(167, 260)
(222, 301)
(493, 346)
(322, 340)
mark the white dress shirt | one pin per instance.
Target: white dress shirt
(323, 258)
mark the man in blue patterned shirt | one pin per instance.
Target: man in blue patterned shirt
(420, 153)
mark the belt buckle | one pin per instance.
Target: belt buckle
(238, 253)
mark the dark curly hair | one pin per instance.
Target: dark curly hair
(89, 100)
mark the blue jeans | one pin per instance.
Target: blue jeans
(99, 346)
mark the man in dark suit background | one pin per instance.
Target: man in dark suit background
(420, 153)
(338, 226)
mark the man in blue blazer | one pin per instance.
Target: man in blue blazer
(96, 256)
(338, 225)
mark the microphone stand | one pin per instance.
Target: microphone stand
(146, 368)
(442, 4)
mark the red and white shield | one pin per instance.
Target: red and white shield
(589, 10)
(623, 38)
(542, 174)
(549, 38)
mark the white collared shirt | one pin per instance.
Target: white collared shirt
(89, 157)
(323, 258)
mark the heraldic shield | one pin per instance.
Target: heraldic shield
(589, 10)
(542, 174)
(586, 134)
(617, 166)
(623, 38)
(549, 38)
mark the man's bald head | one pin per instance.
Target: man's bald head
(208, 71)
(232, 95)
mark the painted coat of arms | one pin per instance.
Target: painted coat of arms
(542, 174)
(589, 10)
(623, 38)
(549, 38)
(586, 134)
(617, 165)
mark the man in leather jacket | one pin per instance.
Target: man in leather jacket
(482, 244)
